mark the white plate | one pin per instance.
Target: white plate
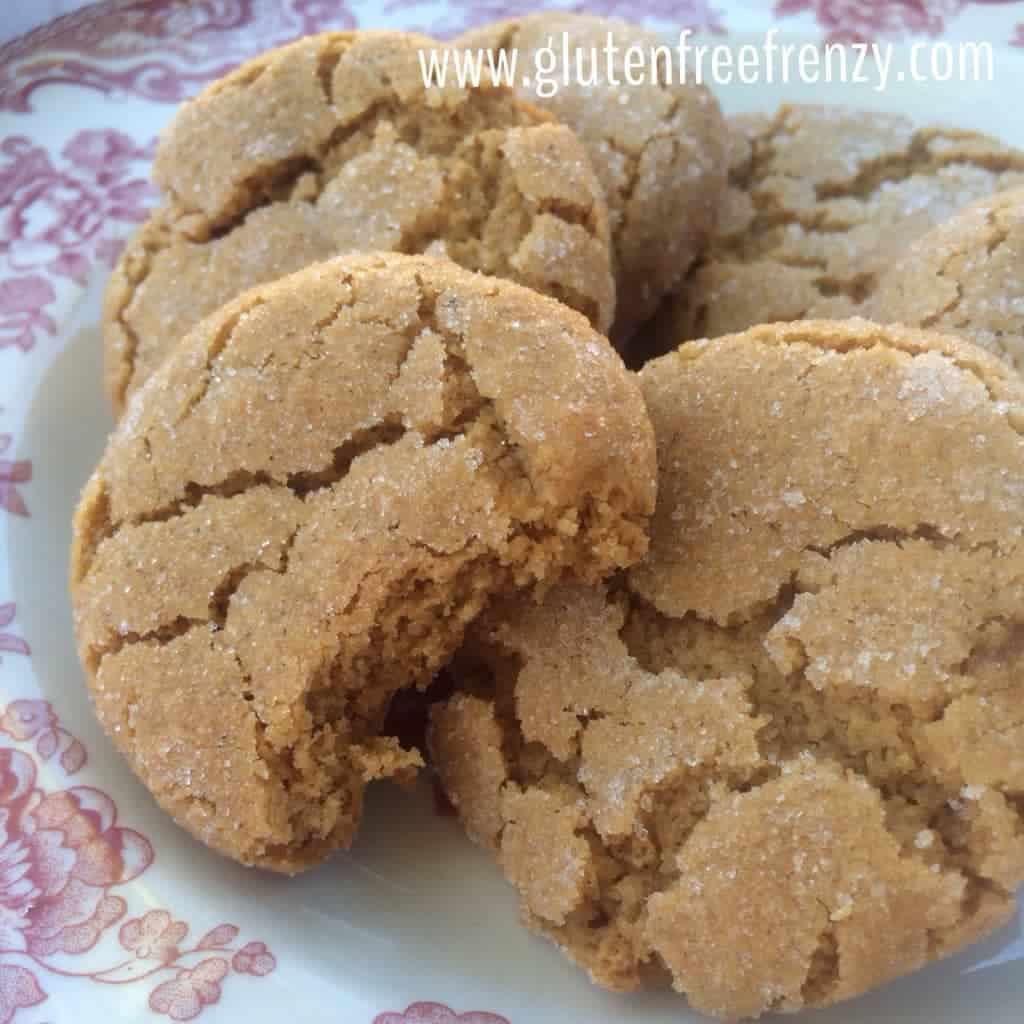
(108, 910)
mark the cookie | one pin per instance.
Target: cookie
(820, 201)
(303, 507)
(964, 277)
(657, 146)
(334, 144)
(802, 714)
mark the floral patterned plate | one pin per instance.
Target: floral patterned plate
(107, 910)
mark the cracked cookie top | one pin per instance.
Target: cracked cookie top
(301, 510)
(802, 713)
(657, 147)
(820, 201)
(964, 277)
(334, 144)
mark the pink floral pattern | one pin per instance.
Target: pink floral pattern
(11, 475)
(27, 720)
(154, 936)
(58, 219)
(457, 18)
(866, 20)
(1018, 35)
(254, 958)
(61, 853)
(185, 995)
(23, 302)
(63, 858)
(8, 641)
(18, 990)
(174, 48)
(438, 1013)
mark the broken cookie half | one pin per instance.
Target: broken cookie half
(780, 762)
(300, 512)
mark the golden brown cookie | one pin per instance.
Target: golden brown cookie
(301, 510)
(820, 202)
(966, 276)
(657, 147)
(802, 714)
(334, 144)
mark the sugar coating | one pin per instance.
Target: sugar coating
(657, 149)
(821, 200)
(964, 277)
(798, 718)
(333, 144)
(301, 510)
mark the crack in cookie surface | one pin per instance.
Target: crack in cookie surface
(963, 277)
(304, 509)
(381, 163)
(803, 717)
(808, 233)
(656, 148)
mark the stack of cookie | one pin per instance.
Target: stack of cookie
(734, 643)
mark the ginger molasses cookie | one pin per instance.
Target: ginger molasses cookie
(820, 202)
(301, 510)
(335, 144)
(802, 714)
(657, 145)
(966, 277)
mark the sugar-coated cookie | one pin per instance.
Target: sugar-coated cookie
(820, 201)
(966, 277)
(334, 144)
(782, 761)
(658, 147)
(300, 511)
